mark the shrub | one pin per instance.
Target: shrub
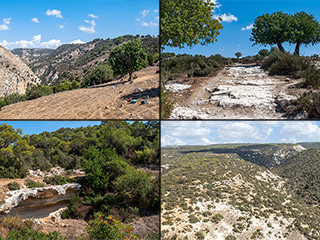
(14, 98)
(33, 184)
(13, 186)
(279, 63)
(56, 180)
(311, 77)
(102, 74)
(30, 234)
(109, 228)
(38, 91)
(217, 218)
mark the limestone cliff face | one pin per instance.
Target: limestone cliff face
(15, 75)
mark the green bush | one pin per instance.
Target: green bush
(109, 228)
(14, 98)
(102, 74)
(13, 186)
(283, 63)
(38, 91)
(56, 180)
(311, 77)
(33, 184)
(30, 234)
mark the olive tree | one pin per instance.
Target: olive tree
(188, 22)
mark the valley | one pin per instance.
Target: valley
(240, 191)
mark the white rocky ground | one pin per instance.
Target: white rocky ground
(15, 197)
(274, 227)
(238, 92)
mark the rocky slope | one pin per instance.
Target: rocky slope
(74, 60)
(29, 55)
(237, 92)
(219, 195)
(15, 75)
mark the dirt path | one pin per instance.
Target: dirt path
(106, 101)
(237, 92)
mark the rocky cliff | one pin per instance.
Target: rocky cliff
(15, 75)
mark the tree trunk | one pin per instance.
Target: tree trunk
(297, 49)
(280, 47)
(130, 76)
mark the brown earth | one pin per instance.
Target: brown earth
(105, 101)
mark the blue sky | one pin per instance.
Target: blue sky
(50, 23)
(36, 127)
(241, 14)
(217, 132)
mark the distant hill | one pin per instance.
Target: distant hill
(15, 75)
(29, 55)
(74, 60)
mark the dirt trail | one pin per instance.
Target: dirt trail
(237, 92)
(106, 101)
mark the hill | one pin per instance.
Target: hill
(29, 55)
(70, 61)
(209, 194)
(15, 75)
(105, 101)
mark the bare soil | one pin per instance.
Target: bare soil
(105, 101)
(236, 92)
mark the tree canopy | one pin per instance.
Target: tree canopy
(278, 27)
(188, 22)
(127, 58)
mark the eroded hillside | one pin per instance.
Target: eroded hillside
(15, 75)
(210, 194)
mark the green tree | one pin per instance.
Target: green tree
(238, 54)
(188, 22)
(264, 52)
(305, 29)
(278, 27)
(103, 73)
(127, 58)
(269, 29)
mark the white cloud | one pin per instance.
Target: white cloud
(149, 18)
(90, 29)
(34, 43)
(92, 15)
(300, 131)
(4, 27)
(61, 26)
(216, 3)
(225, 18)
(54, 12)
(249, 27)
(145, 12)
(78, 41)
(6, 22)
(35, 20)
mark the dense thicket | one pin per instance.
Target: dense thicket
(136, 143)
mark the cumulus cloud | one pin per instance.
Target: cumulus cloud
(149, 18)
(300, 131)
(78, 41)
(35, 20)
(88, 29)
(92, 15)
(34, 43)
(6, 22)
(225, 18)
(61, 26)
(249, 27)
(54, 12)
